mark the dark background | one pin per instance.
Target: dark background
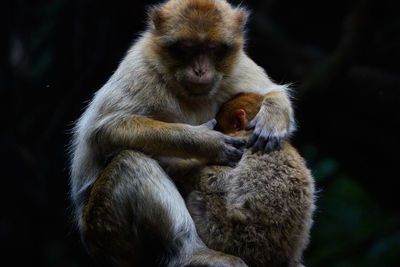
(341, 56)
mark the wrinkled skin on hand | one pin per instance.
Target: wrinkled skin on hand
(229, 150)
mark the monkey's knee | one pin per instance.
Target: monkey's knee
(107, 237)
(126, 218)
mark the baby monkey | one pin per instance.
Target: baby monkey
(261, 210)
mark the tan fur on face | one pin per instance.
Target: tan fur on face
(197, 21)
(212, 19)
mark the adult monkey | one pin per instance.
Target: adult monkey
(174, 78)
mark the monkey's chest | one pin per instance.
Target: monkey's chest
(199, 114)
(192, 117)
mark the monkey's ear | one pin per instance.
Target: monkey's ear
(155, 17)
(242, 14)
(239, 119)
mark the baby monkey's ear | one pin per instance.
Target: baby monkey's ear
(239, 120)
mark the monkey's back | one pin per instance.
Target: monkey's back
(260, 211)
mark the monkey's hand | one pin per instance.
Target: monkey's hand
(220, 149)
(272, 123)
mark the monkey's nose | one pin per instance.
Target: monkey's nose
(199, 72)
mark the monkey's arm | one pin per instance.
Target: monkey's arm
(166, 139)
(275, 120)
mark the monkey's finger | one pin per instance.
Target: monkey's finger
(235, 141)
(210, 124)
(271, 145)
(280, 146)
(234, 154)
(231, 156)
(279, 143)
(251, 125)
(260, 143)
(275, 143)
(253, 138)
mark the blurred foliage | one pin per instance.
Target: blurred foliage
(342, 57)
(350, 228)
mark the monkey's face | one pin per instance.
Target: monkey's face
(197, 64)
(198, 42)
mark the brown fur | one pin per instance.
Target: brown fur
(203, 20)
(149, 134)
(103, 224)
(225, 116)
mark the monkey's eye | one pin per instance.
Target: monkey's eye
(187, 45)
(181, 48)
(219, 49)
(213, 45)
(178, 49)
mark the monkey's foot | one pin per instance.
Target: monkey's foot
(211, 258)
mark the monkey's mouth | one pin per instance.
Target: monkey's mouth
(198, 89)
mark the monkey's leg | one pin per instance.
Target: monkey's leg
(135, 215)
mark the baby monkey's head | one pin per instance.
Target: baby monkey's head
(235, 114)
